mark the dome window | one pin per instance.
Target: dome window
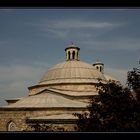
(73, 55)
(77, 55)
(68, 54)
(100, 69)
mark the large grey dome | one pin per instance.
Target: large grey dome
(71, 72)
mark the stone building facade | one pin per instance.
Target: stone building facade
(63, 90)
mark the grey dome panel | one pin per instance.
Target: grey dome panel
(72, 72)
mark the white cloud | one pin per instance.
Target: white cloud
(70, 27)
(72, 24)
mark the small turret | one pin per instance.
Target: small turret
(72, 52)
(99, 66)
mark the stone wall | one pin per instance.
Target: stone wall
(19, 117)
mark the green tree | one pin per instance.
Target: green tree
(115, 109)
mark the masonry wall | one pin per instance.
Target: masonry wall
(19, 117)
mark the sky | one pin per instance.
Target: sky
(33, 40)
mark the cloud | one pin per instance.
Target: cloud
(18, 72)
(119, 74)
(57, 33)
(119, 9)
(15, 80)
(126, 44)
(7, 10)
(14, 89)
(70, 27)
(72, 24)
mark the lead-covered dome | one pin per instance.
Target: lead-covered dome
(72, 70)
(71, 75)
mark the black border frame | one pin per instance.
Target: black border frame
(69, 3)
(37, 4)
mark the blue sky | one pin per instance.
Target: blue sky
(32, 40)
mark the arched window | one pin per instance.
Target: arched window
(97, 67)
(100, 69)
(68, 54)
(73, 55)
(11, 126)
(77, 55)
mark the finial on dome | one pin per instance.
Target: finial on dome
(72, 43)
(72, 52)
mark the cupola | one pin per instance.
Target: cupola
(72, 52)
(99, 66)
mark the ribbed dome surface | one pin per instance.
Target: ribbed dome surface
(47, 99)
(71, 72)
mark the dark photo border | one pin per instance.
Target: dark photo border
(67, 4)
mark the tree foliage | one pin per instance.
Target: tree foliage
(43, 126)
(39, 127)
(115, 109)
(133, 79)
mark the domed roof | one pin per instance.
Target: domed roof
(71, 72)
(47, 99)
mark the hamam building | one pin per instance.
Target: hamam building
(63, 90)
